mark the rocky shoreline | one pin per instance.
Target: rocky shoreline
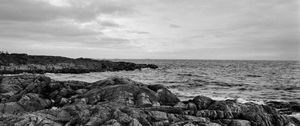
(34, 99)
(22, 63)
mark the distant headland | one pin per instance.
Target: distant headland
(15, 63)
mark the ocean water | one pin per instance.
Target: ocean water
(256, 81)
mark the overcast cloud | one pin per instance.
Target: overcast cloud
(173, 29)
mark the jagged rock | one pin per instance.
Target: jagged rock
(128, 92)
(285, 107)
(112, 122)
(191, 106)
(165, 96)
(233, 106)
(143, 100)
(265, 119)
(202, 102)
(295, 120)
(181, 105)
(135, 122)
(38, 100)
(11, 107)
(158, 116)
(33, 102)
(121, 117)
(216, 114)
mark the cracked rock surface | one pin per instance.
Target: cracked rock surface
(36, 100)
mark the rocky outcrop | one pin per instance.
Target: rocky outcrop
(20, 63)
(285, 107)
(38, 100)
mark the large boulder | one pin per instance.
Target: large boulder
(203, 102)
(165, 96)
(12, 88)
(120, 90)
(129, 92)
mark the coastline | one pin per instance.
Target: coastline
(37, 99)
(15, 63)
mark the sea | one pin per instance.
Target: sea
(244, 81)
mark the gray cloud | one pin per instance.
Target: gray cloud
(174, 26)
(248, 29)
(30, 10)
(109, 24)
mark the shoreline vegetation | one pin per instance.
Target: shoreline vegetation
(15, 63)
(33, 99)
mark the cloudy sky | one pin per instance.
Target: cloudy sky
(172, 29)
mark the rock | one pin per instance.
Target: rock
(265, 119)
(114, 81)
(38, 100)
(158, 116)
(165, 96)
(112, 122)
(240, 123)
(128, 92)
(135, 122)
(143, 100)
(216, 114)
(285, 107)
(181, 105)
(191, 106)
(20, 85)
(33, 102)
(202, 102)
(121, 117)
(196, 119)
(81, 91)
(233, 106)
(11, 108)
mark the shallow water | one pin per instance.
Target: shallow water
(255, 81)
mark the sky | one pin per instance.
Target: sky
(153, 29)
